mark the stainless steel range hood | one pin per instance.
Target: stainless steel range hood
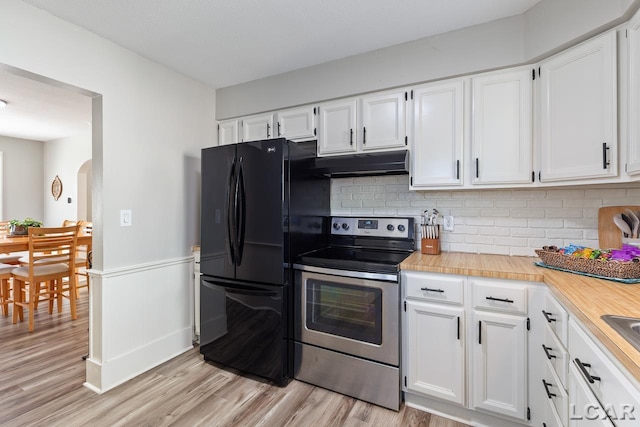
(383, 163)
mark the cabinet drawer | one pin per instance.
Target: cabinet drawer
(555, 354)
(433, 287)
(556, 318)
(508, 297)
(598, 372)
(555, 392)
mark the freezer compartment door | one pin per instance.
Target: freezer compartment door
(244, 326)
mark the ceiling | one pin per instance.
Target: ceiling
(227, 42)
(41, 111)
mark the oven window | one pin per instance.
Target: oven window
(345, 310)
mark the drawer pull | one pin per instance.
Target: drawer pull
(500, 299)
(458, 328)
(546, 351)
(432, 290)
(479, 331)
(546, 388)
(583, 367)
(548, 315)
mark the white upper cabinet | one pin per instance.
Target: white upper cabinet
(375, 122)
(297, 124)
(438, 124)
(501, 133)
(228, 132)
(257, 127)
(633, 146)
(384, 120)
(337, 127)
(578, 112)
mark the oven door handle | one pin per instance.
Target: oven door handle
(386, 277)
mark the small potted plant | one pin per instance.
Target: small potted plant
(19, 228)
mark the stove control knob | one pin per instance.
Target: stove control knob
(336, 226)
(401, 228)
(345, 226)
(390, 227)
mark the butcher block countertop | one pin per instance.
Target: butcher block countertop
(584, 297)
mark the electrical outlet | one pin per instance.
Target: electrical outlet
(448, 223)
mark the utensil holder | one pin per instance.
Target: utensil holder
(430, 246)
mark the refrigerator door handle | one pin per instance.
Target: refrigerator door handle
(242, 211)
(231, 213)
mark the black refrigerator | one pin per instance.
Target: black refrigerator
(251, 229)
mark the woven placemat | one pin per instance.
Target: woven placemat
(613, 279)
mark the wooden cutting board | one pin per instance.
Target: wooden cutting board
(609, 235)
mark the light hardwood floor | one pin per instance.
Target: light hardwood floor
(41, 376)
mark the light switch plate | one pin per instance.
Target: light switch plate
(125, 218)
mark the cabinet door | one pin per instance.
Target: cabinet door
(501, 134)
(296, 124)
(384, 121)
(584, 408)
(578, 112)
(435, 350)
(500, 364)
(337, 127)
(436, 158)
(256, 128)
(228, 132)
(633, 146)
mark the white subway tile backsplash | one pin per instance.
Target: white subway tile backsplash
(512, 222)
(544, 203)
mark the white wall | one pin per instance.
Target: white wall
(149, 125)
(64, 157)
(507, 222)
(22, 192)
(519, 39)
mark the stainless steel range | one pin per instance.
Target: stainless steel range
(347, 309)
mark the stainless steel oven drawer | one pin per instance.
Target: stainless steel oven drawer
(363, 379)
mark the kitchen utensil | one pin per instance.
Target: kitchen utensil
(635, 222)
(622, 224)
(609, 235)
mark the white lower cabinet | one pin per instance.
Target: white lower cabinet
(596, 386)
(465, 347)
(435, 345)
(585, 411)
(500, 364)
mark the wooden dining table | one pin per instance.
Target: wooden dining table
(9, 243)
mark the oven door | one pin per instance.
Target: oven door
(351, 315)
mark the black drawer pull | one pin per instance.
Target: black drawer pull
(458, 328)
(546, 388)
(548, 315)
(432, 290)
(583, 367)
(500, 299)
(479, 331)
(546, 351)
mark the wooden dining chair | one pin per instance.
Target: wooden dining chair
(10, 258)
(83, 256)
(51, 259)
(5, 287)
